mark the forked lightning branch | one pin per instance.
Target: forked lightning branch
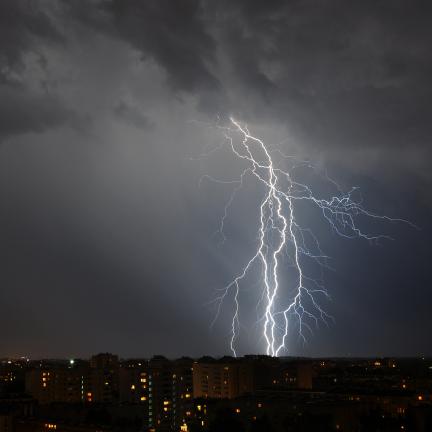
(280, 234)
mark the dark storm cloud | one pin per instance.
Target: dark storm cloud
(24, 27)
(172, 33)
(343, 74)
(21, 24)
(340, 75)
(132, 115)
(21, 111)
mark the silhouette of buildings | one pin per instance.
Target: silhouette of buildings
(255, 393)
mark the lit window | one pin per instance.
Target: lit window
(132, 387)
(143, 398)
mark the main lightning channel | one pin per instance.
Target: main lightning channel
(280, 232)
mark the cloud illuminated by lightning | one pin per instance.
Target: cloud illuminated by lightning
(279, 231)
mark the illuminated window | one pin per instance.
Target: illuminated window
(132, 387)
(420, 397)
(237, 410)
(143, 398)
(199, 407)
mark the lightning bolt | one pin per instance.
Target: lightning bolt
(280, 233)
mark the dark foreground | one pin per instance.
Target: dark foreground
(251, 394)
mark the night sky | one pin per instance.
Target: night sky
(106, 232)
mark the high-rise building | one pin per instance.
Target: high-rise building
(133, 382)
(221, 379)
(170, 392)
(104, 378)
(59, 382)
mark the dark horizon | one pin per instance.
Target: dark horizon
(216, 358)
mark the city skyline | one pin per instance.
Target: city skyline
(253, 393)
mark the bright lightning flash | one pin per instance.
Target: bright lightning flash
(280, 232)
